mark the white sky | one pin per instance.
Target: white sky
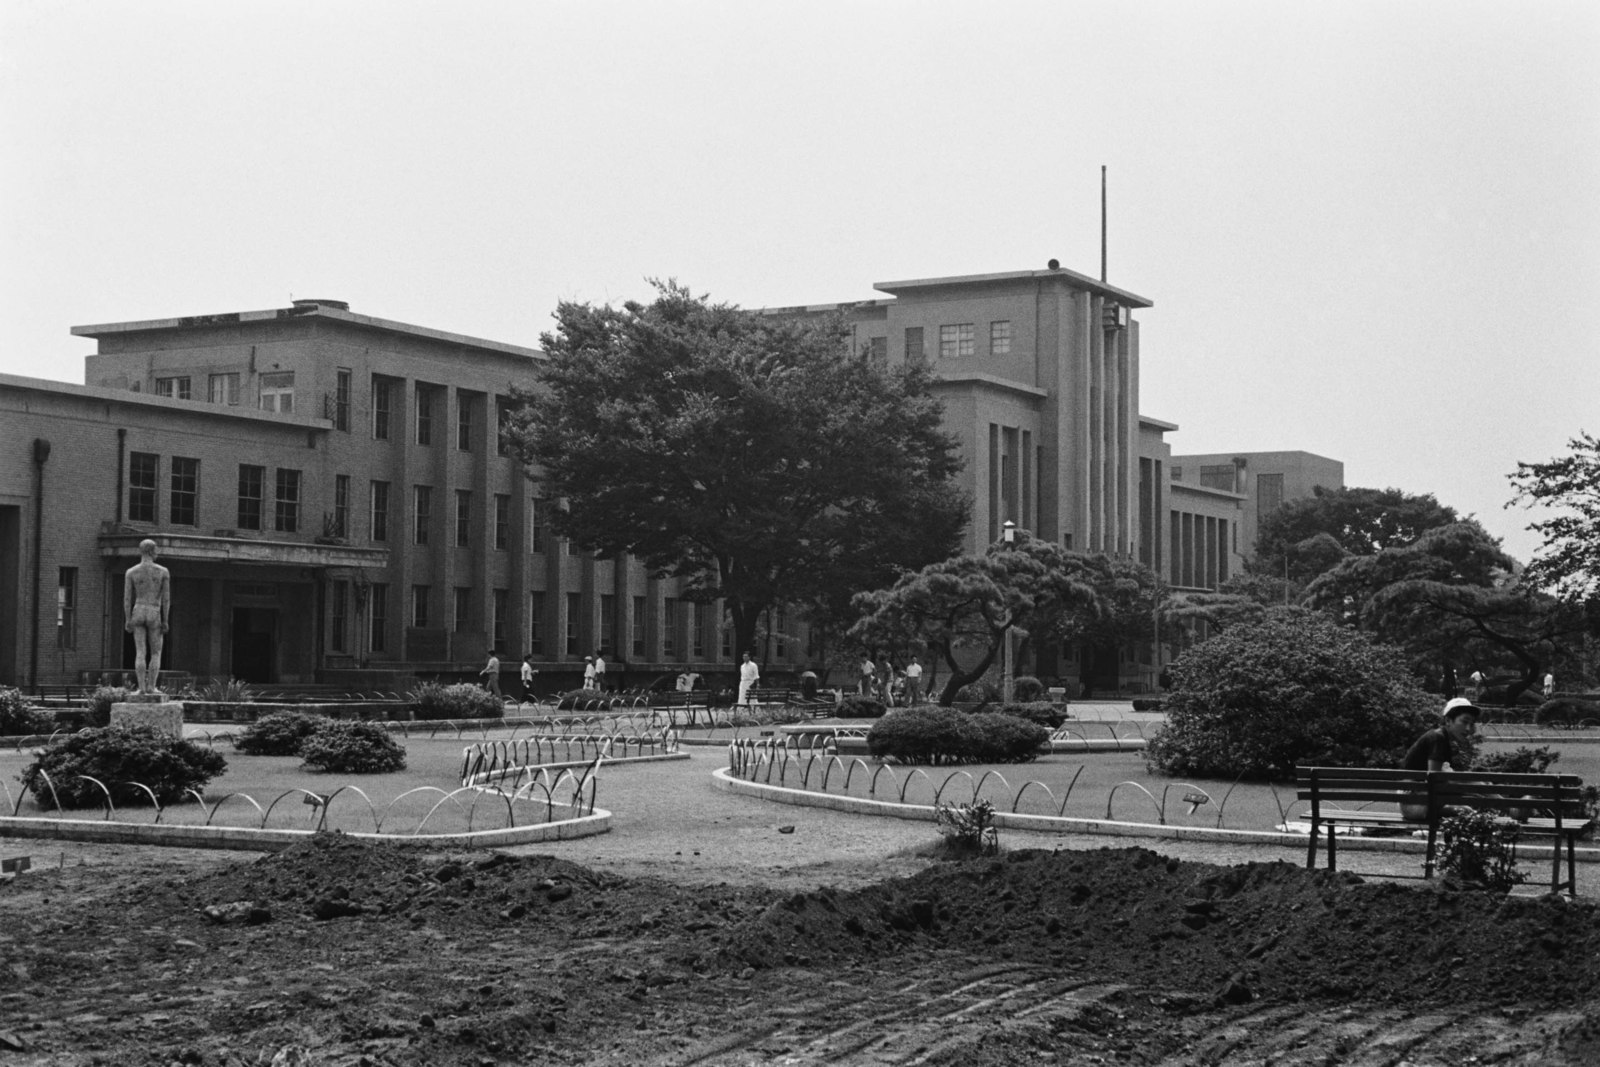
(1371, 230)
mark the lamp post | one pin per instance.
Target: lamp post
(1008, 535)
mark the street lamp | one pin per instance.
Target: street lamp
(1008, 536)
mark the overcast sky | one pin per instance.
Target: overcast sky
(1371, 230)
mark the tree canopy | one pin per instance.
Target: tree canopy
(755, 457)
(1316, 532)
(1569, 562)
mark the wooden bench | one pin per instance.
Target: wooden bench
(1548, 805)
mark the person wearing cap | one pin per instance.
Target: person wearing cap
(1439, 748)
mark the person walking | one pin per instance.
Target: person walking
(588, 672)
(749, 674)
(599, 672)
(491, 674)
(869, 674)
(1549, 684)
(527, 679)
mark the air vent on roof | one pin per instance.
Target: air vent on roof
(316, 302)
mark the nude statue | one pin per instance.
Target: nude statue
(146, 601)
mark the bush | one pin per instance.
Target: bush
(856, 706)
(18, 718)
(225, 691)
(968, 829)
(100, 703)
(1146, 704)
(585, 700)
(982, 691)
(1026, 689)
(1478, 849)
(935, 735)
(1522, 760)
(278, 734)
(1294, 688)
(460, 701)
(1042, 712)
(1566, 711)
(353, 748)
(119, 756)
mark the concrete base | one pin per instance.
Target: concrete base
(166, 717)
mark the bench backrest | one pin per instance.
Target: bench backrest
(1490, 791)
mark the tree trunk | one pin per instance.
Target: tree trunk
(960, 678)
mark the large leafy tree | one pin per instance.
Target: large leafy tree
(1569, 562)
(962, 609)
(1313, 534)
(755, 457)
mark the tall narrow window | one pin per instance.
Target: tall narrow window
(500, 608)
(608, 623)
(143, 474)
(67, 608)
(277, 392)
(779, 624)
(252, 480)
(177, 388)
(376, 635)
(537, 531)
(502, 521)
(419, 606)
(502, 412)
(878, 349)
(341, 505)
(341, 400)
(536, 623)
(185, 491)
(463, 518)
(697, 630)
(727, 635)
(422, 510)
(223, 388)
(380, 511)
(286, 503)
(382, 407)
(464, 422)
(461, 616)
(338, 614)
(574, 607)
(637, 625)
(424, 416)
(1000, 338)
(669, 627)
(914, 350)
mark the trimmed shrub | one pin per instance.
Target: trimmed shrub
(1042, 712)
(856, 706)
(1566, 711)
(1026, 689)
(353, 748)
(1522, 760)
(1294, 688)
(19, 719)
(278, 734)
(118, 756)
(102, 699)
(937, 735)
(460, 701)
(1147, 705)
(585, 700)
(982, 691)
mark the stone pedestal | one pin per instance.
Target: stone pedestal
(153, 710)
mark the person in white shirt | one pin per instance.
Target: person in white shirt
(599, 671)
(914, 681)
(588, 672)
(527, 679)
(1549, 684)
(749, 674)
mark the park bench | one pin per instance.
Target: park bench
(1548, 805)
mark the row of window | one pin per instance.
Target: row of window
(384, 392)
(959, 339)
(144, 493)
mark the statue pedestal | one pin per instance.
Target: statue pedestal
(153, 710)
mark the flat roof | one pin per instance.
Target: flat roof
(1156, 424)
(1081, 281)
(162, 403)
(303, 310)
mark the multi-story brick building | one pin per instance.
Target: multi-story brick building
(332, 494)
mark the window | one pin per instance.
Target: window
(463, 422)
(382, 408)
(779, 646)
(338, 612)
(380, 511)
(223, 388)
(956, 340)
(500, 609)
(1218, 476)
(608, 623)
(878, 349)
(727, 635)
(669, 627)
(422, 509)
(177, 388)
(341, 400)
(572, 548)
(424, 416)
(1000, 338)
(536, 623)
(463, 518)
(341, 506)
(419, 606)
(637, 622)
(697, 630)
(251, 479)
(461, 613)
(185, 491)
(286, 505)
(142, 477)
(67, 608)
(502, 412)
(573, 608)
(537, 534)
(502, 521)
(914, 343)
(277, 392)
(380, 617)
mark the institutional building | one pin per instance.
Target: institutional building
(332, 495)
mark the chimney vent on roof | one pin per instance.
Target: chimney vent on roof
(317, 302)
(1054, 264)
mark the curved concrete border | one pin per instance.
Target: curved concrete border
(723, 779)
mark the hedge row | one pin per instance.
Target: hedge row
(936, 735)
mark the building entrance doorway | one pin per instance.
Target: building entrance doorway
(255, 644)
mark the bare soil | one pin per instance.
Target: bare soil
(341, 953)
